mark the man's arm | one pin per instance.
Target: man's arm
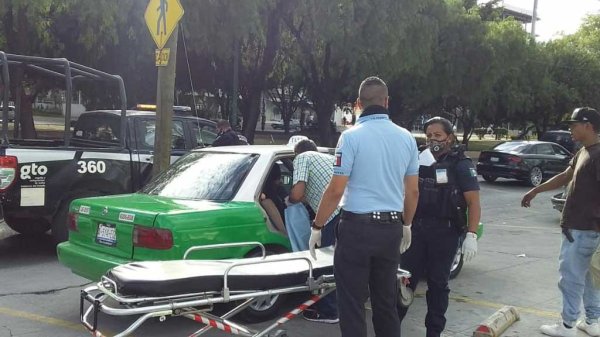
(557, 181)
(297, 192)
(331, 199)
(411, 198)
(474, 207)
(219, 141)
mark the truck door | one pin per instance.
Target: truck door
(144, 138)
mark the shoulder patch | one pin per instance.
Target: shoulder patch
(473, 172)
(338, 159)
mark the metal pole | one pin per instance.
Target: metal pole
(5, 97)
(164, 108)
(534, 18)
(68, 100)
(234, 91)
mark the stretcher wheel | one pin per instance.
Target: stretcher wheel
(279, 333)
(405, 296)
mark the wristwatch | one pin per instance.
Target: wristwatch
(312, 225)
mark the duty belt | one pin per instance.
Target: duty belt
(389, 217)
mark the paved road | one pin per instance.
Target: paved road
(516, 266)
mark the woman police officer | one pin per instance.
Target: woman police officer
(446, 189)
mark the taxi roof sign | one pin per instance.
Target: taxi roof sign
(161, 18)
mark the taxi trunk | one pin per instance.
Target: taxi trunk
(108, 231)
(115, 225)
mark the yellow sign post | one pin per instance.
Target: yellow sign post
(162, 17)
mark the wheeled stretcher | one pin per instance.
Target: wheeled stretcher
(190, 288)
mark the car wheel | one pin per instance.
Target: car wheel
(457, 263)
(489, 178)
(29, 227)
(266, 307)
(535, 176)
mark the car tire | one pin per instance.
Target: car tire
(489, 178)
(535, 177)
(28, 227)
(60, 231)
(457, 263)
(265, 308)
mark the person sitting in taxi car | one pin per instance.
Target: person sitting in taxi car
(272, 199)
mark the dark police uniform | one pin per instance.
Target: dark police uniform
(376, 155)
(227, 138)
(439, 221)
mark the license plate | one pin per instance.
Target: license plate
(494, 159)
(107, 234)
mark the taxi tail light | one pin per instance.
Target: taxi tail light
(152, 238)
(72, 221)
(8, 171)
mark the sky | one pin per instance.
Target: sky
(556, 16)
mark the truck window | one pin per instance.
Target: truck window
(145, 134)
(205, 134)
(100, 128)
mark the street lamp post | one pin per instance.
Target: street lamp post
(534, 18)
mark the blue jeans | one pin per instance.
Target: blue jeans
(327, 306)
(575, 281)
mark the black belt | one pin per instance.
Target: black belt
(390, 217)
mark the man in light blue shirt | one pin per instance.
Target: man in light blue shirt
(376, 179)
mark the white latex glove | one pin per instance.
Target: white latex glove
(406, 238)
(315, 240)
(469, 247)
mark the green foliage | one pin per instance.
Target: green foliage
(480, 132)
(452, 58)
(501, 133)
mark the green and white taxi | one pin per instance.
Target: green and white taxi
(209, 196)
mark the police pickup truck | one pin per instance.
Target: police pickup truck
(104, 152)
(40, 179)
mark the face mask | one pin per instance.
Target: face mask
(437, 146)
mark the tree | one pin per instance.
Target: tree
(286, 85)
(34, 28)
(256, 24)
(339, 43)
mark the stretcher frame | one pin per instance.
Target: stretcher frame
(197, 306)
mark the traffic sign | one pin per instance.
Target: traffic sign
(162, 57)
(162, 17)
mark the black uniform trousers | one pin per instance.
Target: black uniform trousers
(366, 263)
(433, 247)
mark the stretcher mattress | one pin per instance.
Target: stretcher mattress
(168, 278)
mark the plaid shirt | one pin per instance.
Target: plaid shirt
(315, 169)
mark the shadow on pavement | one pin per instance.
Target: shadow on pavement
(21, 250)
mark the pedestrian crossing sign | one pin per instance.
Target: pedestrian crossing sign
(161, 18)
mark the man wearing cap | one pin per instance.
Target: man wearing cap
(375, 176)
(581, 228)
